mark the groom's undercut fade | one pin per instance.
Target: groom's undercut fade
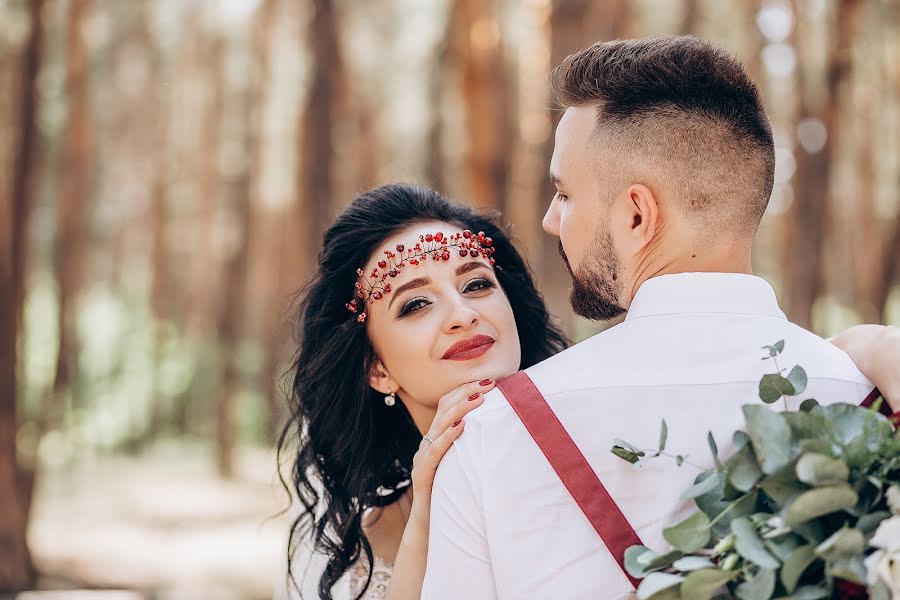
(681, 111)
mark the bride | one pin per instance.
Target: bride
(418, 306)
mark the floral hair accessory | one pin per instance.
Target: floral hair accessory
(437, 246)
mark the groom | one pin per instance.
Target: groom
(663, 167)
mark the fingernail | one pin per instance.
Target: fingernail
(474, 397)
(485, 382)
(457, 422)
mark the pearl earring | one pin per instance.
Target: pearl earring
(390, 399)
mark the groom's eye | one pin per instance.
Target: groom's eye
(560, 197)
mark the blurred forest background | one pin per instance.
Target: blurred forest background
(167, 168)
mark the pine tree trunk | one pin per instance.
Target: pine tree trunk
(489, 106)
(803, 268)
(316, 151)
(75, 172)
(16, 485)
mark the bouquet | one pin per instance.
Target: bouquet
(808, 507)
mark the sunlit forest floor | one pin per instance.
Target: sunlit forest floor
(163, 524)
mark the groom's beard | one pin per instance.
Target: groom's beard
(595, 292)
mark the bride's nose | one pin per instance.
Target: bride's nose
(461, 316)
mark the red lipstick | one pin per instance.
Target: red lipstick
(470, 348)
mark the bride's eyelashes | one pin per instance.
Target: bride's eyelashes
(413, 305)
(479, 284)
(416, 304)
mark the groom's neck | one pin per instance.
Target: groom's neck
(698, 258)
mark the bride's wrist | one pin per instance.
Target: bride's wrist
(417, 525)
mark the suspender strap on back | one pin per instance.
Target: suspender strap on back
(571, 466)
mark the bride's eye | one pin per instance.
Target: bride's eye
(479, 284)
(413, 305)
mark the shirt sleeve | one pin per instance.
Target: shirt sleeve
(459, 562)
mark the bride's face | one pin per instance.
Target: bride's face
(444, 323)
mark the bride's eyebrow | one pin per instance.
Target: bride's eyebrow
(470, 266)
(413, 283)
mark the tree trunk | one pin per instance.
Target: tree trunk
(808, 214)
(77, 147)
(238, 109)
(16, 569)
(489, 106)
(161, 286)
(316, 150)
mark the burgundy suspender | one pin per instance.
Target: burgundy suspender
(884, 409)
(571, 466)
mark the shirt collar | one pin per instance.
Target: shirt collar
(680, 293)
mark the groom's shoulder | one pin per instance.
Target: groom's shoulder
(561, 370)
(819, 357)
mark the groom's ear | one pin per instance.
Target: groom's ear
(381, 380)
(643, 216)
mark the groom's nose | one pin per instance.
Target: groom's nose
(551, 219)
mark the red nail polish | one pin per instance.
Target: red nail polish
(485, 382)
(457, 422)
(474, 397)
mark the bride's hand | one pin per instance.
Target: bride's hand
(448, 425)
(876, 351)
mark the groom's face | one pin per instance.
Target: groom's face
(580, 215)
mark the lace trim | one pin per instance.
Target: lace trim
(381, 579)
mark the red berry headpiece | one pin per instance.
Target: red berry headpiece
(374, 285)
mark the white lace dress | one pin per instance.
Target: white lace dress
(381, 579)
(309, 566)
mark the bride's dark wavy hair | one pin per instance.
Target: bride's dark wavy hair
(353, 452)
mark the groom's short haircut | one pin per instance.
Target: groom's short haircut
(681, 112)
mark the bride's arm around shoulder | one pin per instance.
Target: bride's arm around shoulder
(876, 351)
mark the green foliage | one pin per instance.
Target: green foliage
(791, 512)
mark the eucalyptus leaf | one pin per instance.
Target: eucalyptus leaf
(626, 454)
(783, 548)
(845, 543)
(778, 346)
(760, 587)
(818, 469)
(750, 546)
(632, 566)
(850, 422)
(742, 469)
(739, 439)
(652, 560)
(808, 404)
(714, 449)
(703, 584)
(796, 565)
(798, 379)
(807, 425)
(703, 486)
(657, 583)
(820, 501)
(692, 563)
(663, 435)
(691, 534)
(852, 570)
(770, 435)
(783, 486)
(869, 523)
(772, 387)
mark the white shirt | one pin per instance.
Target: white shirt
(689, 352)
